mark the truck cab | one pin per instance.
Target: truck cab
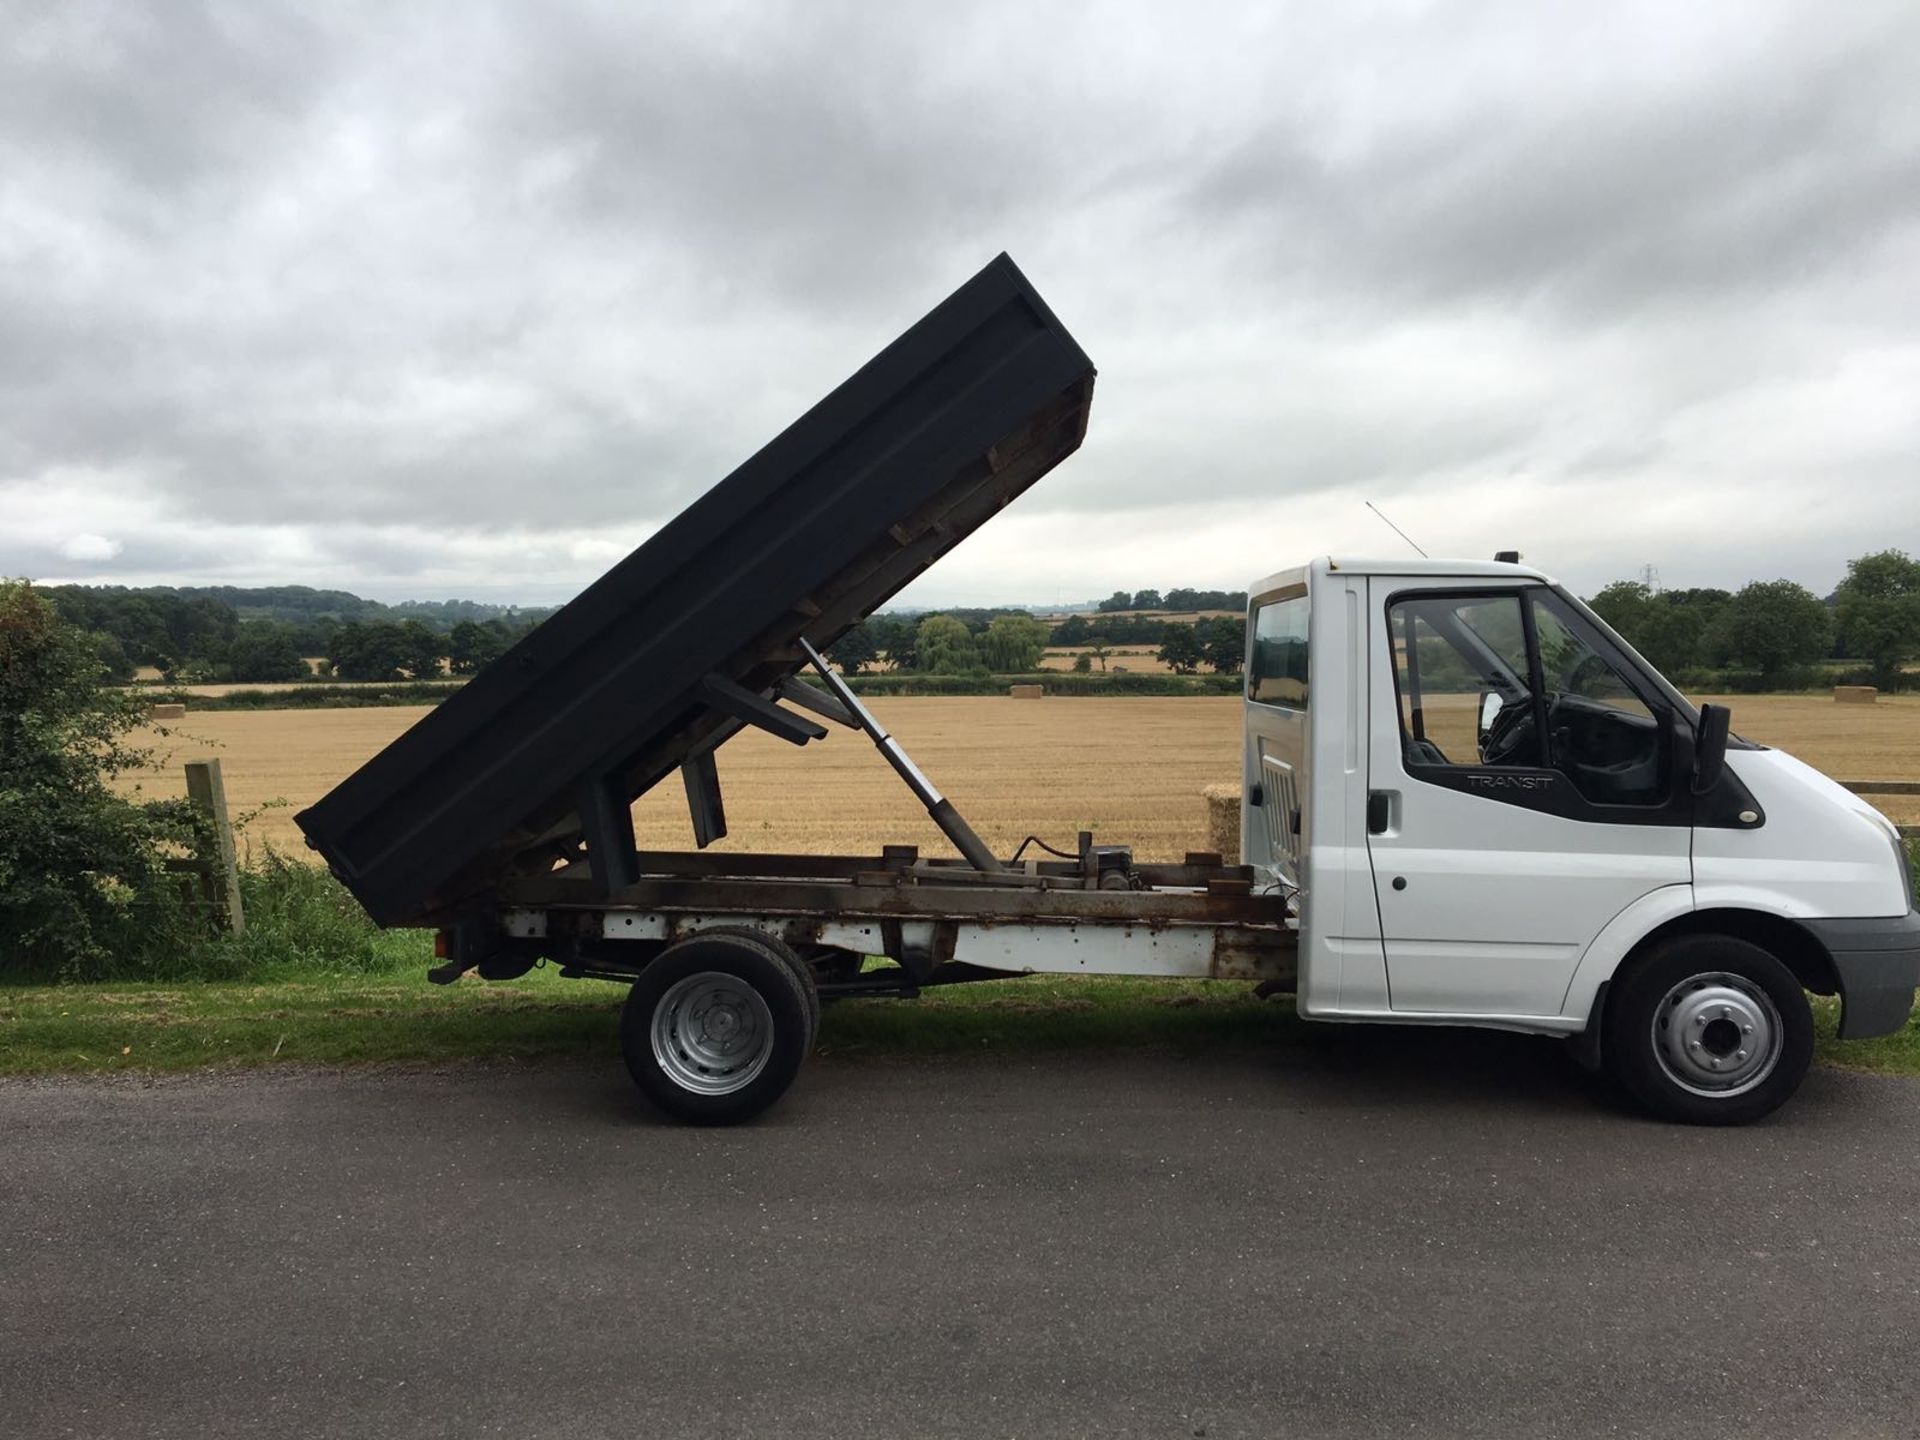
(1492, 811)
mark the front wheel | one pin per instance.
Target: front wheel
(715, 1028)
(1708, 1030)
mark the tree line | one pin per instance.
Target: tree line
(1772, 634)
(1767, 635)
(224, 633)
(1181, 600)
(1012, 642)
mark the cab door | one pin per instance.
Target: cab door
(1275, 721)
(1521, 792)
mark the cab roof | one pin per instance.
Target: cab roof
(1420, 565)
(1397, 565)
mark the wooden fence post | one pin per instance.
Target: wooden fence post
(209, 795)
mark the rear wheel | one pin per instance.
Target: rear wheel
(717, 1026)
(1708, 1030)
(780, 950)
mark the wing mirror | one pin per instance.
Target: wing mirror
(1710, 747)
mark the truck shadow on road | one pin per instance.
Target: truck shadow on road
(1249, 1053)
(1076, 1053)
(1365, 1063)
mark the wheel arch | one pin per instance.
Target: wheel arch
(1786, 939)
(1669, 911)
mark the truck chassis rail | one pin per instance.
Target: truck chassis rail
(941, 921)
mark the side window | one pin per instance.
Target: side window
(1278, 674)
(1461, 667)
(1604, 736)
(1467, 691)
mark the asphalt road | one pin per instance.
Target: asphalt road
(1390, 1234)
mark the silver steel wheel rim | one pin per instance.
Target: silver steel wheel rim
(1717, 1035)
(712, 1033)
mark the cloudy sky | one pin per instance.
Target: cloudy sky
(466, 299)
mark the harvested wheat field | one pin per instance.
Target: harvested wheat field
(1854, 742)
(1130, 769)
(1138, 659)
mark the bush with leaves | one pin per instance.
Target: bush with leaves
(1878, 607)
(84, 888)
(855, 650)
(1666, 627)
(1181, 651)
(1013, 644)
(1223, 643)
(1773, 628)
(946, 647)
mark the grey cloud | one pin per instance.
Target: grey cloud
(162, 100)
(515, 276)
(1611, 200)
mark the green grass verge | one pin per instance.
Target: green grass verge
(348, 1019)
(345, 1019)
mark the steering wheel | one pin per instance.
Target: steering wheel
(1512, 728)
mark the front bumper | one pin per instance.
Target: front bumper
(1878, 962)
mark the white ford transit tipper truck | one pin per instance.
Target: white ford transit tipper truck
(1467, 802)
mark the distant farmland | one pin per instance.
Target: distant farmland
(1131, 769)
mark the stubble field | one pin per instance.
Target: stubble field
(1137, 659)
(1130, 769)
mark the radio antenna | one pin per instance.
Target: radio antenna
(1395, 528)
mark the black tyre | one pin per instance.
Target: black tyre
(1708, 1030)
(715, 1029)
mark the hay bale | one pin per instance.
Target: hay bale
(1026, 692)
(167, 710)
(1223, 821)
(1855, 694)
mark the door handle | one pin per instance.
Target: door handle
(1379, 811)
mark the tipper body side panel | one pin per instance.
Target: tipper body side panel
(631, 679)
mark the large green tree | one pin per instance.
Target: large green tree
(1774, 627)
(1181, 650)
(1074, 630)
(1878, 608)
(472, 644)
(1223, 641)
(265, 650)
(946, 647)
(84, 887)
(373, 650)
(855, 650)
(1013, 644)
(1662, 626)
(896, 639)
(424, 650)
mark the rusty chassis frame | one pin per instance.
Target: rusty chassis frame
(941, 921)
